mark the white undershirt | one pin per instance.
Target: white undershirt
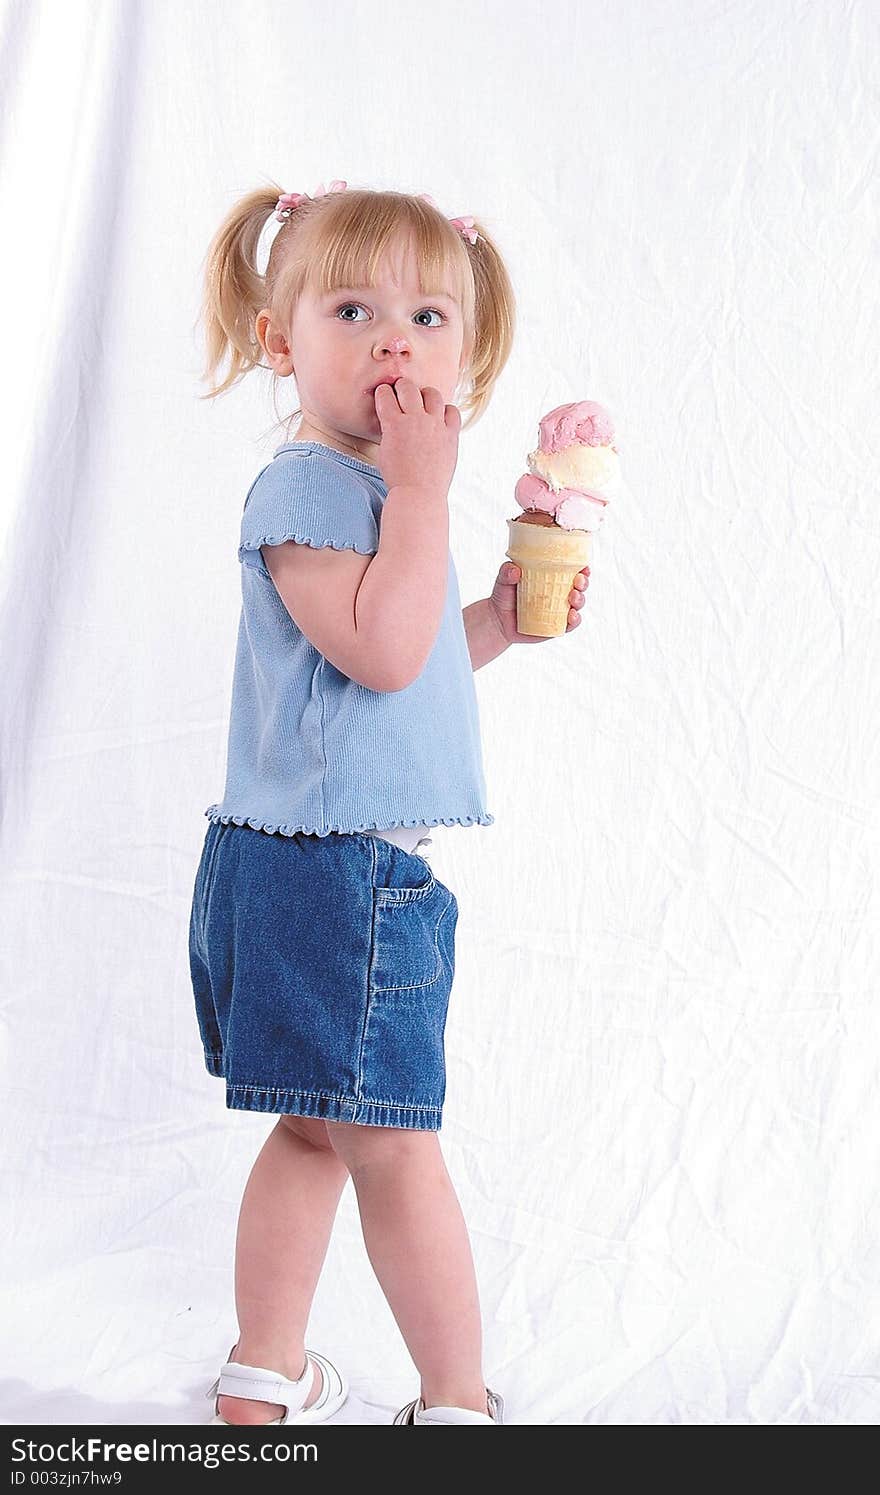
(408, 837)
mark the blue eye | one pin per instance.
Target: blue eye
(356, 306)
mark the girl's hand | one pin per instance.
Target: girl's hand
(419, 446)
(502, 604)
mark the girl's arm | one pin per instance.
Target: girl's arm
(376, 618)
(484, 640)
(400, 601)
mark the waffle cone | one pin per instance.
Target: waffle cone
(550, 558)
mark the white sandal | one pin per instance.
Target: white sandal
(258, 1385)
(416, 1414)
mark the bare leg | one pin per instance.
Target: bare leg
(284, 1227)
(417, 1242)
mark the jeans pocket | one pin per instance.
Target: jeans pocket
(408, 938)
(410, 880)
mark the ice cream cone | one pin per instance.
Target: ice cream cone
(550, 558)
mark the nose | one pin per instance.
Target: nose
(393, 345)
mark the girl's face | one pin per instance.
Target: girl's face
(339, 344)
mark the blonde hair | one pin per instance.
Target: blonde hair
(338, 240)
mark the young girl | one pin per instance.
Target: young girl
(321, 944)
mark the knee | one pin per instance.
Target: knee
(311, 1128)
(361, 1146)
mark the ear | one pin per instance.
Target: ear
(274, 344)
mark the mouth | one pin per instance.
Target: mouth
(385, 379)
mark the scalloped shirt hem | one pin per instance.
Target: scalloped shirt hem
(213, 813)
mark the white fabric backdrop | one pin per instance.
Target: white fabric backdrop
(663, 1109)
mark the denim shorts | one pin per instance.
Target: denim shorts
(321, 968)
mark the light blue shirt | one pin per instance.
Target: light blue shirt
(309, 749)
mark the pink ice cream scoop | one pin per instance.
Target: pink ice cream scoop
(533, 493)
(584, 422)
(580, 510)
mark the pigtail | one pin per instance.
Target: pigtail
(234, 290)
(494, 323)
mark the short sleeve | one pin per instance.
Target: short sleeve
(309, 498)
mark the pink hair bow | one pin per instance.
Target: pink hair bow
(464, 225)
(290, 200)
(466, 228)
